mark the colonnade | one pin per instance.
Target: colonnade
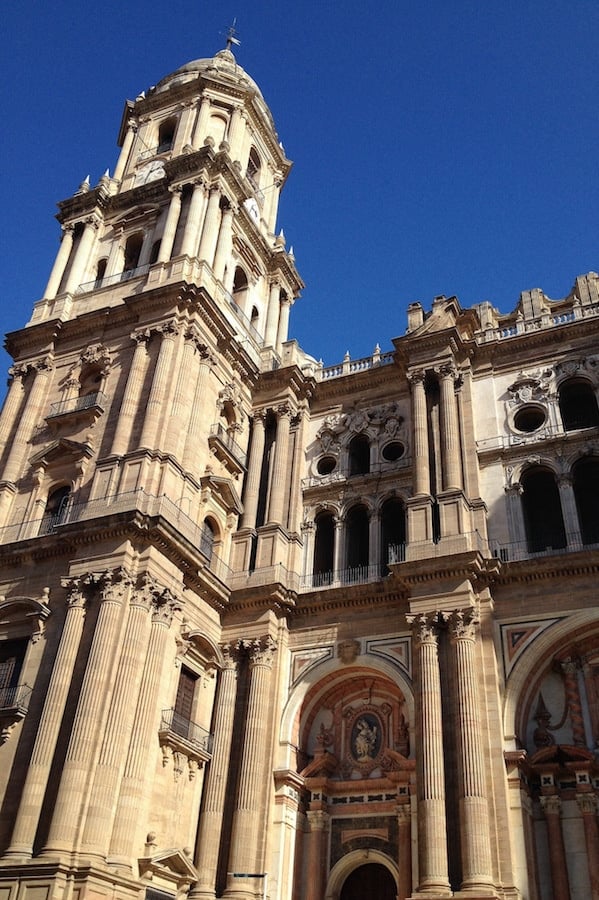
(448, 451)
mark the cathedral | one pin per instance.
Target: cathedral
(271, 629)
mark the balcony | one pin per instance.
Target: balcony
(165, 147)
(95, 404)
(226, 449)
(182, 740)
(111, 280)
(514, 551)
(14, 703)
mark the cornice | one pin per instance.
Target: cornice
(546, 568)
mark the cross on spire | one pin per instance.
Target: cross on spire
(232, 35)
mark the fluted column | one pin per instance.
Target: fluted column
(281, 462)
(108, 771)
(12, 404)
(211, 227)
(224, 244)
(421, 462)
(30, 417)
(95, 694)
(38, 770)
(283, 329)
(185, 127)
(116, 256)
(432, 826)
(178, 419)
(339, 548)
(474, 812)
(160, 386)
(569, 510)
(193, 434)
(404, 851)
(295, 504)
(125, 150)
(132, 801)
(60, 263)
(515, 515)
(247, 840)
(587, 804)
(235, 134)
(132, 394)
(252, 484)
(82, 253)
(216, 785)
(551, 806)
(201, 124)
(170, 226)
(450, 435)
(191, 234)
(272, 314)
(315, 862)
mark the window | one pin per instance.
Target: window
(154, 252)
(578, 405)
(133, 251)
(166, 135)
(12, 656)
(324, 549)
(529, 418)
(184, 703)
(56, 509)
(585, 481)
(357, 538)
(101, 271)
(542, 510)
(240, 287)
(253, 169)
(207, 539)
(393, 533)
(359, 455)
(326, 465)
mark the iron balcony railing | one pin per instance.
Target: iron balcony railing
(109, 280)
(15, 698)
(537, 548)
(173, 722)
(154, 151)
(225, 438)
(245, 321)
(76, 404)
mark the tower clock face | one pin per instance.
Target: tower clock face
(151, 172)
(252, 208)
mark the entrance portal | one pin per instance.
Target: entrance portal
(371, 880)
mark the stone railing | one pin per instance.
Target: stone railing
(352, 366)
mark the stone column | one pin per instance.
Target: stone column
(82, 254)
(569, 510)
(38, 770)
(60, 263)
(587, 804)
(12, 404)
(178, 419)
(308, 532)
(224, 245)
(515, 517)
(132, 801)
(235, 133)
(160, 385)
(201, 124)
(276, 508)
(116, 257)
(432, 826)
(450, 435)
(185, 127)
(108, 771)
(170, 226)
(131, 396)
(551, 806)
(192, 437)
(283, 328)
(211, 226)
(252, 484)
(569, 670)
(374, 540)
(315, 867)
(216, 783)
(94, 697)
(249, 826)
(31, 415)
(474, 812)
(295, 505)
(272, 314)
(421, 464)
(404, 852)
(338, 549)
(125, 150)
(191, 234)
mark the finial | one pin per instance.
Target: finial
(232, 35)
(84, 186)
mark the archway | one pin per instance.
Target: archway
(370, 880)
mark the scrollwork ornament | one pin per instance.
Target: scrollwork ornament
(261, 652)
(425, 628)
(463, 624)
(551, 805)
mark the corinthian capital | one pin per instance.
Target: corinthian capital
(463, 624)
(261, 652)
(425, 627)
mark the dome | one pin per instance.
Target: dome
(223, 66)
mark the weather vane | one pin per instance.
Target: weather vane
(232, 35)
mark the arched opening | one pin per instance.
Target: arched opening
(132, 252)
(208, 539)
(253, 169)
(240, 287)
(324, 549)
(542, 510)
(216, 129)
(578, 405)
(585, 481)
(254, 316)
(393, 533)
(90, 381)
(56, 509)
(357, 542)
(359, 455)
(101, 270)
(166, 135)
(155, 251)
(369, 880)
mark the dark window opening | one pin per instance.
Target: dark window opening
(542, 509)
(101, 270)
(357, 538)
(585, 481)
(56, 509)
(326, 465)
(166, 135)
(154, 252)
(578, 405)
(133, 251)
(370, 880)
(240, 287)
(393, 533)
(529, 418)
(207, 539)
(359, 455)
(324, 548)
(12, 656)
(253, 169)
(393, 451)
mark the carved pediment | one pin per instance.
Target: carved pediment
(172, 867)
(221, 490)
(60, 450)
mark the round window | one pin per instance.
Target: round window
(529, 418)
(325, 465)
(393, 451)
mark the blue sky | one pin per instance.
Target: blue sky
(439, 147)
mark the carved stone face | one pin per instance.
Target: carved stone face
(348, 651)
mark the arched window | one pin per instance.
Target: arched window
(253, 169)
(542, 509)
(101, 270)
(132, 252)
(578, 405)
(357, 542)
(585, 481)
(155, 251)
(207, 540)
(166, 135)
(216, 129)
(359, 455)
(56, 509)
(240, 287)
(393, 533)
(324, 549)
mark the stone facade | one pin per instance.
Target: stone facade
(270, 629)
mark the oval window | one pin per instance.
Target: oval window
(393, 451)
(326, 465)
(529, 418)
